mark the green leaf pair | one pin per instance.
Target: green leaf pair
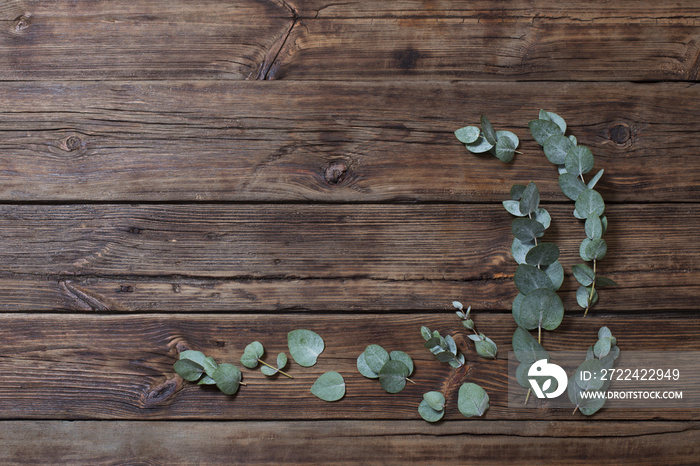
(444, 348)
(502, 144)
(194, 366)
(589, 375)
(392, 369)
(432, 408)
(252, 357)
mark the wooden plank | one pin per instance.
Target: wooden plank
(332, 142)
(350, 442)
(370, 249)
(68, 366)
(139, 39)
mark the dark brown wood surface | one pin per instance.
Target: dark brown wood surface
(198, 175)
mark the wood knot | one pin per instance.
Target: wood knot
(126, 289)
(21, 23)
(335, 172)
(71, 143)
(160, 393)
(176, 288)
(620, 134)
(407, 58)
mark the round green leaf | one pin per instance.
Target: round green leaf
(543, 129)
(393, 376)
(513, 208)
(556, 148)
(508, 135)
(504, 150)
(281, 360)
(555, 272)
(529, 278)
(542, 254)
(249, 360)
(571, 185)
(428, 413)
(329, 386)
(586, 406)
(472, 400)
(435, 400)
(530, 200)
(517, 301)
(594, 368)
(542, 216)
(376, 357)
(545, 115)
(444, 356)
(573, 139)
(451, 344)
(521, 374)
(210, 365)
(194, 356)
(582, 249)
(206, 380)
(597, 248)
(516, 191)
(527, 229)
(364, 368)
(486, 349)
(541, 308)
(228, 378)
(188, 369)
(255, 348)
(519, 249)
(590, 203)
(268, 371)
(602, 348)
(579, 160)
(604, 332)
(594, 227)
(468, 134)
(305, 346)
(583, 274)
(487, 130)
(425, 332)
(404, 358)
(526, 348)
(582, 295)
(479, 146)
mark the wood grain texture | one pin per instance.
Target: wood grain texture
(364, 250)
(68, 366)
(332, 142)
(344, 442)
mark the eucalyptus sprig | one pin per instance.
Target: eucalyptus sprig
(502, 144)
(252, 357)
(444, 348)
(485, 347)
(392, 369)
(574, 161)
(194, 366)
(599, 358)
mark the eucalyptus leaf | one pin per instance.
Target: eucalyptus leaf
(504, 150)
(595, 179)
(516, 191)
(517, 301)
(582, 295)
(364, 368)
(519, 249)
(451, 345)
(509, 136)
(545, 115)
(195, 356)
(428, 413)
(604, 332)
(543, 129)
(527, 229)
(305, 346)
(445, 356)
(571, 185)
(457, 305)
(472, 400)
(578, 216)
(583, 274)
(228, 378)
(393, 376)
(604, 221)
(573, 139)
(597, 248)
(602, 348)
(282, 360)
(513, 208)
(542, 216)
(376, 357)
(526, 348)
(588, 405)
(590, 203)
(579, 160)
(468, 324)
(188, 370)
(530, 200)
(468, 134)
(529, 278)
(555, 272)
(474, 337)
(329, 386)
(255, 348)
(425, 332)
(557, 147)
(249, 360)
(479, 146)
(602, 282)
(268, 371)
(435, 400)
(542, 255)
(582, 249)
(594, 227)
(210, 365)
(589, 375)
(521, 375)
(541, 308)
(486, 349)
(487, 130)
(404, 358)
(206, 380)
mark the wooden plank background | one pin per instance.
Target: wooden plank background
(200, 175)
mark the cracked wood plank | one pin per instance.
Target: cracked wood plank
(367, 250)
(351, 442)
(332, 142)
(68, 366)
(137, 40)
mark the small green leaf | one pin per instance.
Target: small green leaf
(541, 308)
(521, 374)
(579, 160)
(542, 216)
(604, 221)
(590, 203)
(404, 358)
(364, 368)
(595, 179)
(513, 208)
(555, 272)
(435, 400)
(519, 249)
(487, 130)
(451, 345)
(597, 248)
(592, 368)
(479, 146)
(429, 414)
(472, 400)
(255, 348)
(425, 332)
(194, 356)
(573, 139)
(305, 346)
(228, 378)
(504, 150)
(582, 249)
(516, 192)
(249, 360)
(445, 356)
(586, 406)
(268, 371)
(602, 282)
(376, 357)
(583, 274)
(582, 294)
(530, 200)
(529, 278)
(602, 348)
(329, 386)
(527, 229)
(543, 254)
(393, 376)
(468, 324)
(188, 370)
(604, 332)
(486, 349)
(571, 185)
(457, 305)
(206, 380)
(543, 129)
(545, 115)
(526, 348)
(557, 147)
(468, 134)
(578, 216)
(594, 227)
(282, 360)
(210, 365)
